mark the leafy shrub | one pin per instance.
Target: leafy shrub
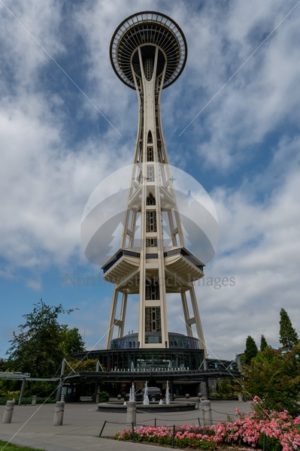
(103, 396)
(269, 443)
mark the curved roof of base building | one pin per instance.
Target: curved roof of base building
(176, 341)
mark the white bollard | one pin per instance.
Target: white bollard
(58, 417)
(8, 412)
(206, 409)
(131, 412)
(33, 400)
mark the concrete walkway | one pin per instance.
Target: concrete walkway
(32, 426)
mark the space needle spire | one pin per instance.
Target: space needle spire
(148, 52)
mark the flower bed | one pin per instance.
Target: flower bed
(262, 429)
(184, 437)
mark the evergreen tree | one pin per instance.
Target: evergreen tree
(263, 343)
(288, 335)
(250, 351)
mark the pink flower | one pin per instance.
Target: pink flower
(246, 430)
(297, 420)
(257, 400)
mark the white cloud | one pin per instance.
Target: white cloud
(44, 183)
(26, 28)
(260, 248)
(35, 285)
(261, 96)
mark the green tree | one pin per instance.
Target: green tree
(3, 365)
(41, 342)
(250, 351)
(263, 343)
(71, 341)
(288, 335)
(228, 388)
(275, 377)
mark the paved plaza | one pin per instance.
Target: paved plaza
(32, 425)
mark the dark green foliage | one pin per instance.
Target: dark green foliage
(42, 342)
(269, 443)
(263, 343)
(103, 396)
(227, 389)
(3, 365)
(288, 335)
(275, 377)
(250, 351)
(71, 340)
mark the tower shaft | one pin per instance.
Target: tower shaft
(152, 305)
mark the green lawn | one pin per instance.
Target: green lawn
(11, 447)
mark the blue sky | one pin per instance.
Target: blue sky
(240, 88)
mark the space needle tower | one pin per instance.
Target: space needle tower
(148, 52)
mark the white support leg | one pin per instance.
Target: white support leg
(186, 314)
(122, 315)
(198, 323)
(112, 318)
